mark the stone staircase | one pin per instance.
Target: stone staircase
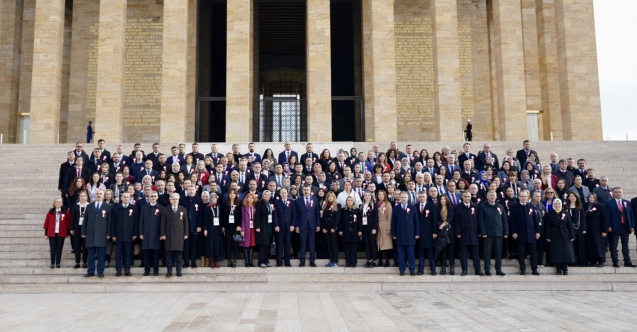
(29, 186)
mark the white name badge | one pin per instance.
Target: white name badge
(251, 223)
(231, 220)
(364, 221)
(81, 220)
(215, 221)
(269, 218)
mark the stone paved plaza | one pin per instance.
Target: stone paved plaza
(387, 311)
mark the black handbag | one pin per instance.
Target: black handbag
(237, 238)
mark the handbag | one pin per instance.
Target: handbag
(237, 238)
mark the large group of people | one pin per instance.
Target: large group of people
(403, 206)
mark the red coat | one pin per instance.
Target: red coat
(65, 223)
(553, 182)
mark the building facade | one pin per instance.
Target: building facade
(299, 70)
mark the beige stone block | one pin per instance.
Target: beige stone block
(47, 71)
(444, 17)
(192, 71)
(319, 71)
(174, 71)
(510, 75)
(26, 57)
(239, 70)
(579, 78)
(10, 39)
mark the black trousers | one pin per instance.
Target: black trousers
(351, 249)
(56, 244)
(283, 246)
(232, 249)
(173, 258)
(579, 246)
(523, 250)
(190, 249)
(123, 254)
(563, 267)
(540, 246)
(613, 241)
(492, 244)
(80, 246)
(371, 248)
(512, 246)
(448, 253)
(264, 252)
(150, 258)
(475, 256)
(332, 246)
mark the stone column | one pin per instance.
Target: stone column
(111, 51)
(174, 86)
(239, 71)
(549, 69)
(444, 17)
(47, 71)
(319, 71)
(579, 79)
(10, 41)
(509, 61)
(380, 72)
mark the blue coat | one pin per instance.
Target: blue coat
(171, 160)
(614, 217)
(140, 175)
(194, 206)
(428, 224)
(465, 222)
(282, 159)
(525, 222)
(307, 217)
(286, 213)
(405, 225)
(125, 223)
(149, 226)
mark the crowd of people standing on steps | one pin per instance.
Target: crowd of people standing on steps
(396, 205)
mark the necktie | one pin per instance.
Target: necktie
(307, 203)
(621, 211)
(174, 209)
(453, 199)
(422, 207)
(97, 206)
(287, 156)
(219, 178)
(79, 172)
(404, 207)
(242, 178)
(341, 164)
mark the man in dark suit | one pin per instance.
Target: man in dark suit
(563, 173)
(454, 197)
(149, 228)
(284, 156)
(467, 173)
(96, 161)
(79, 171)
(428, 218)
(431, 168)
(405, 229)
(123, 232)
(340, 162)
(174, 157)
(307, 223)
(394, 146)
(465, 223)
(79, 152)
(222, 179)
(621, 222)
(174, 231)
(194, 208)
(64, 169)
(214, 154)
(285, 209)
(494, 226)
(137, 148)
(466, 155)
(96, 231)
(481, 159)
(309, 155)
(196, 155)
(148, 170)
(277, 177)
(105, 154)
(154, 156)
(451, 166)
(251, 155)
(525, 229)
(523, 154)
(603, 192)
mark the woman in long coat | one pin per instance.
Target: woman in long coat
(231, 220)
(350, 230)
(596, 225)
(384, 228)
(330, 217)
(369, 223)
(560, 236)
(264, 219)
(578, 218)
(247, 228)
(212, 230)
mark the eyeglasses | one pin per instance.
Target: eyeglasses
(550, 192)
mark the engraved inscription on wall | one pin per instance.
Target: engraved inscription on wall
(414, 74)
(466, 69)
(142, 74)
(91, 79)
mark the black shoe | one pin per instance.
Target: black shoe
(72, 251)
(479, 273)
(535, 273)
(347, 265)
(313, 264)
(76, 266)
(127, 273)
(186, 265)
(451, 271)
(156, 274)
(500, 273)
(100, 276)
(600, 265)
(366, 265)
(420, 273)
(464, 273)
(565, 273)
(52, 266)
(118, 274)
(57, 266)
(395, 264)
(386, 263)
(615, 265)
(402, 273)
(278, 265)
(88, 275)
(412, 274)
(487, 273)
(380, 262)
(302, 264)
(372, 264)
(179, 274)
(558, 273)
(194, 266)
(85, 266)
(433, 272)
(629, 265)
(288, 265)
(168, 275)
(146, 274)
(523, 273)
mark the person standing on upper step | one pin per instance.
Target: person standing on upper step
(123, 232)
(525, 230)
(494, 226)
(465, 223)
(405, 229)
(621, 224)
(96, 231)
(174, 230)
(560, 236)
(149, 230)
(428, 219)
(57, 226)
(89, 132)
(308, 222)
